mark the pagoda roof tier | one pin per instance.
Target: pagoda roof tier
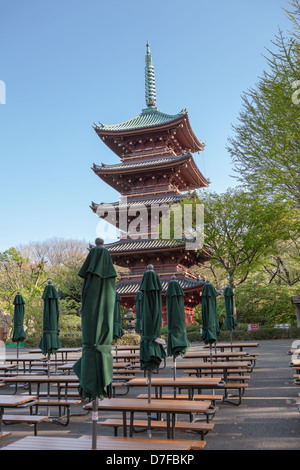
(140, 246)
(149, 117)
(131, 288)
(115, 175)
(140, 202)
(148, 121)
(139, 165)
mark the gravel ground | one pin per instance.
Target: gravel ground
(267, 419)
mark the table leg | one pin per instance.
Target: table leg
(124, 424)
(149, 425)
(131, 424)
(1, 414)
(173, 425)
(168, 425)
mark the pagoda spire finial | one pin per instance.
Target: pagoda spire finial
(150, 93)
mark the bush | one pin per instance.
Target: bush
(243, 335)
(128, 339)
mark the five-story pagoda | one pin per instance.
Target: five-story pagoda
(156, 169)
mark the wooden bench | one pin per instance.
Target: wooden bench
(117, 377)
(115, 384)
(28, 419)
(70, 394)
(4, 434)
(59, 402)
(199, 426)
(237, 378)
(182, 396)
(215, 372)
(125, 371)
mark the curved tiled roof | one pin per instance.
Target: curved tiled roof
(124, 287)
(147, 118)
(130, 245)
(139, 202)
(141, 163)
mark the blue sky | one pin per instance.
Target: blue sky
(69, 63)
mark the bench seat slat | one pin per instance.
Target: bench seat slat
(199, 426)
(24, 418)
(180, 396)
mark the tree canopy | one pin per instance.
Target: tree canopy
(265, 146)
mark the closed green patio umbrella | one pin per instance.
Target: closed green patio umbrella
(95, 367)
(209, 310)
(138, 319)
(50, 341)
(230, 320)
(118, 331)
(177, 341)
(151, 348)
(19, 310)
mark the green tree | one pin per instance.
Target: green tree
(241, 230)
(264, 303)
(284, 267)
(62, 258)
(265, 149)
(19, 274)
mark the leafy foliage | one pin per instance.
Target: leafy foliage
(265, 149)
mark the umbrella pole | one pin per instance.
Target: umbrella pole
(48, 385)
(95, 422)
(149, 401)
(18, 350)
(174, 367)
(210, 353)
(48, 362)
(211, 360)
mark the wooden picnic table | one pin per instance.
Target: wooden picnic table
(189, 383)
(62, 401)
(130, 357)
(8, 368)
(21, 359)
(39, 380)
(30, 364)
(126, 366)
(169, 407)
(239, 345)
(63, 351)
(220, 366)
(103, 443)
(12, 401)
(221, 354)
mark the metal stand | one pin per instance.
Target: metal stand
(95, 423)
(149, 401)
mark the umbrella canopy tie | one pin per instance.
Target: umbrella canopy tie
(148, 338)
(101, 348)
